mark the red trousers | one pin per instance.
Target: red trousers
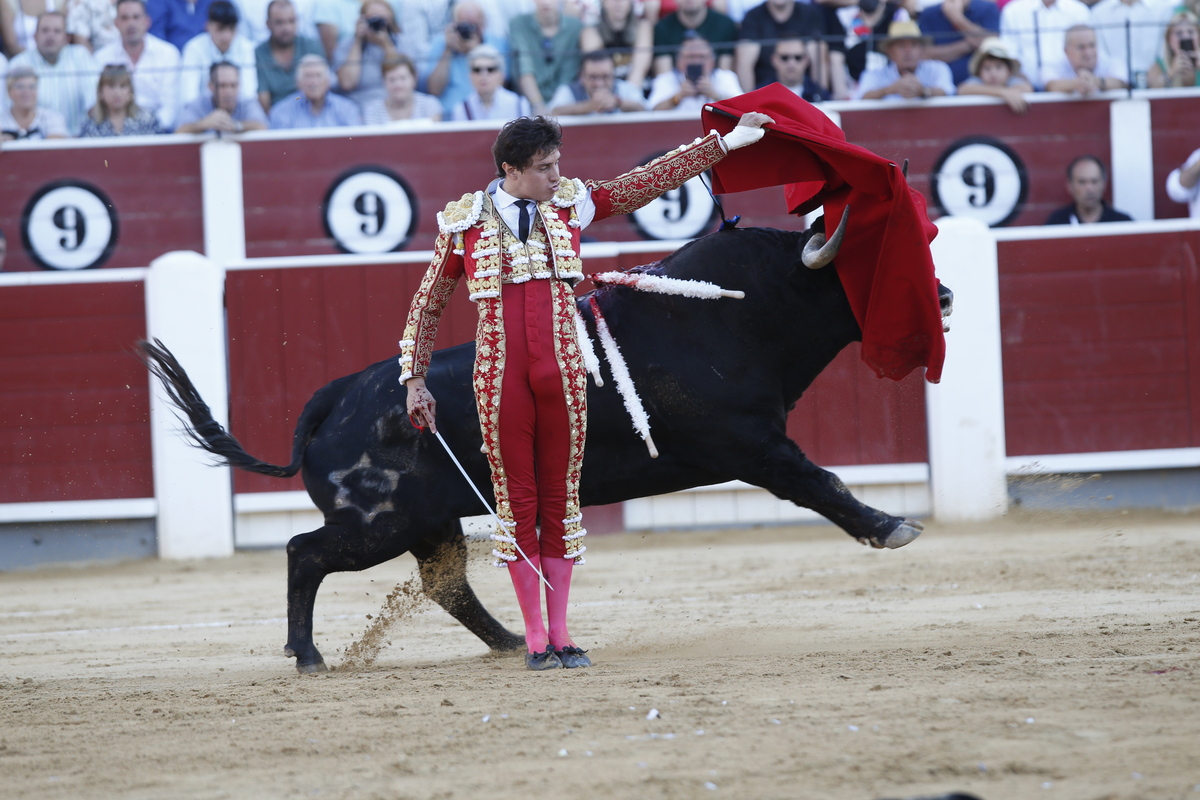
(534, 429)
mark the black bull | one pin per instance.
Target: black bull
(718, 378)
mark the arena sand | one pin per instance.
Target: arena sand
(1037, 657)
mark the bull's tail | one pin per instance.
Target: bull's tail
(206, 432)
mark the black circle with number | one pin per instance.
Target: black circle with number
(69, 225)
(980, 177)
(369, 209)
(683, 213)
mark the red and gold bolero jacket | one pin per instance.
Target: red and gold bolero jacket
(474, 242)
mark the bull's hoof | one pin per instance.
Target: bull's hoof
(306, 665)
(902, 534)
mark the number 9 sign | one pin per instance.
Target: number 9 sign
(370, 210)
(69, 225)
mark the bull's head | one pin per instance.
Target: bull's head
(818, 252)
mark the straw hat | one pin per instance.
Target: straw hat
(993, 47)
(907, 30)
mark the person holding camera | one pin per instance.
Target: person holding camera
(360, 58)
(695, 80)
(447, 73)
(1179, 65)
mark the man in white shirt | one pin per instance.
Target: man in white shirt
(908, 74)
(67, 73)
(1034, 32)
(694, 81)
(153, 62)
(1081, 70)
(598, 91)
(1183, 184)
(1147, 20)
(219, 42)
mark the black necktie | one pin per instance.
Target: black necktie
(523, 223)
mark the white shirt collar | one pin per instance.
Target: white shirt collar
(502, 199)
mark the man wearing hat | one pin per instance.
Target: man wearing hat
(908, 74)
(219, 43)
(995, 73)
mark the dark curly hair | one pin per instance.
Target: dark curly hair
(521, 140)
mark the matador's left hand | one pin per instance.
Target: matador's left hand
(748, 131)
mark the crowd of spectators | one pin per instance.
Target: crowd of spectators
(124, 67)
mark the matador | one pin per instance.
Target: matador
(517, 243)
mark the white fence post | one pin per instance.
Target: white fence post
(966, 410)
(221, 190)
(185, 309)
(1132, 157)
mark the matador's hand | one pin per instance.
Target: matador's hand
(748, 131)
(422, 408)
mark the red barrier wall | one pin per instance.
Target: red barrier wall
(74, 403)
(1045, 138)
(1176, 133)
(155, 191)
(1101, 343)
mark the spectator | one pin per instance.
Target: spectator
(421, 23)
(252, 20)
(792, 67)
(695, 80)
(92, 23)
(958, 28)
(220, 43)
(545, 46)
(1086, 181)
(178, 21)
(629, 36)
(1183, 184)
(997, 74)
(1147, 20)
(1081, 70)
(501, 13)
(314, 106)
(18, 21)
(360, 58)
(772, 21)
(276, 59)
(1179, 65)
(693, 16)
(448, 74)
(855, 32)
(1034, 31)
(66, 72)
(115, 112)
(490, 100)
(25, 119)
(336, 20)
(223, 109)
(153, 62)
(908, 73)
(598, 91)
(401, 101)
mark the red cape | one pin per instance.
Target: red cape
(884, 262)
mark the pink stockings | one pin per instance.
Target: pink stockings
(529, 596)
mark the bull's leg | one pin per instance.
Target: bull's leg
(785, 472)
(334, 547)
(443, 566)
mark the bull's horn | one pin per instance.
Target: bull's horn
(904, 169)
(819, 252)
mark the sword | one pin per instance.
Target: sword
(488, 506)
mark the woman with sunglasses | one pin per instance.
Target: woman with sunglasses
(115, 112)
(490, 100)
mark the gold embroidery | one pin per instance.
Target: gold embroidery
(629, 192)
(574, 378)
(430, 300)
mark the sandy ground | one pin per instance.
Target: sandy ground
(1038, 657)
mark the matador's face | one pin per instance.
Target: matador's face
(538, 181)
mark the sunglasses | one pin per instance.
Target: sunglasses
(480, 70)
(791, 57)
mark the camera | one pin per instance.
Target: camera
(693, 72)
(1188, 46)
(466, 30)
(377, 24)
